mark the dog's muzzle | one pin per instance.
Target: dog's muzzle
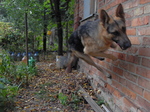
(126, 45)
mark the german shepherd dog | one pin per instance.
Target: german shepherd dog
(94, 37)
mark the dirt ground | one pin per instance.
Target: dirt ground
(52, 90)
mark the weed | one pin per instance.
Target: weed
(100, 101)
(7, 93)
(62, 98)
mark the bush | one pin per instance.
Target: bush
(12, 76)
(7, 93)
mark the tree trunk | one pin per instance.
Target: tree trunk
(59, 26)
(67, 26)
(44, 31)
(26, 33)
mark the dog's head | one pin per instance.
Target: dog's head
(115, 27)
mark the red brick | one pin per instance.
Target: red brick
(134, 40)
(146, 62)
(116, 63)
(138, 11)
(110, 88)
(143, 72)
(144, 31)
(109, 67)
(143, 103)
(118, 71)
(130, 4)
(111, 12)
(123, 65)
(102, 63)
(122, 81)
(118, 94)
(144, 83)
(140, 21)
(147, 95)
(144, 52)
(133, 59)
(135, 88)
(129, 93)
(131, 31)
(116, 85)
(114, 76)
(133, 50)
(132, 68)
(130, 77)
(110, 5)
(146, 9)
(128, 23)
(146, 41)
(129, 105)
(100, 74)
(121, 56)
(106, 1)
(144, 1)
(129, 14)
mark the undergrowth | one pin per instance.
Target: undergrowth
(13, 75)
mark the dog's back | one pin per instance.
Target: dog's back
(75, 42)
(89, 29)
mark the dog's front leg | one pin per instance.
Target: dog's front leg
(69, 65)
(87, 59)
(101, 54)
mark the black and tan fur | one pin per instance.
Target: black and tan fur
(94, 37)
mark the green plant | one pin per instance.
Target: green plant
(62, 98)
(100, 101)
(18, 73)
(12, 76)
(75, 99)
(7, 93)
(54, 47)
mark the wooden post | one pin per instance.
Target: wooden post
(26, 33)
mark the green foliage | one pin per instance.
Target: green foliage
(12, 76)
(100, 101)
(62, 98)
(54, 47)
(14, 40)
(7, 92)
(75, 99)
(18, 73)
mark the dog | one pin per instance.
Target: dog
(95, 37)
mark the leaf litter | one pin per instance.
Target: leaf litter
(52, 90)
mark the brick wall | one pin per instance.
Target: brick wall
(129, 88)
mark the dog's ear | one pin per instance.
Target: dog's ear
(104, 18)
(120, 11)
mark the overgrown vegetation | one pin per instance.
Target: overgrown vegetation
(12, 77)
(41, 18)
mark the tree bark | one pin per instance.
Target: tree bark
(56, 10)
(44, 31)
(26, 33)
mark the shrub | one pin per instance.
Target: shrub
(12, 76)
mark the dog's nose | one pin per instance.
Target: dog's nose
(127, 45)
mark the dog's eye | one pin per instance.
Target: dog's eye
(124, 29)
(116, 33)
